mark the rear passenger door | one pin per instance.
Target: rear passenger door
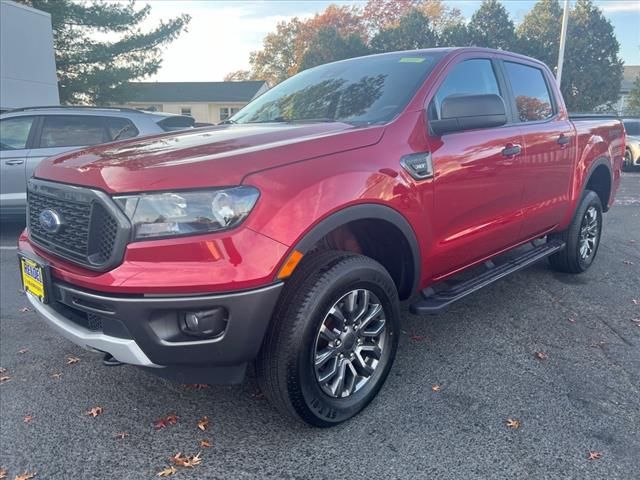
(549, 143)
(478, 185)
(62, 133)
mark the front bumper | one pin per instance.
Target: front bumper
(145, 330)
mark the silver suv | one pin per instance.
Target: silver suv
(28, 135)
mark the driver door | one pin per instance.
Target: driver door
(478, 185)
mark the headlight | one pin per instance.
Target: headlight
(186, 213)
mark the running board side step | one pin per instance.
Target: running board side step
(434, 302)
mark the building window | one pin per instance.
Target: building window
(226, 112)
(185, 111)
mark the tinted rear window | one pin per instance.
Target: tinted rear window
(632, 127)
(533, 99)
(170, 124)
(83, 130)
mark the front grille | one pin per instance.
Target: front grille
(91, 234)
(73, 238)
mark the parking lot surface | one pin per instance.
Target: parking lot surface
(559, 354)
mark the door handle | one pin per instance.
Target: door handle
(17, 161)
(563, 140)
(511, 150)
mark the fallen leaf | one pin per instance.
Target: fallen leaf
(636, 302)
(632, 242)
(5, 378)
(171, 419)
(28, 418)
(513, 423)
(23, 350)
(572, 320)
(25, 309)
(3, 370)
(627, 262)
(167, 472)
(95, 411)
(195, 386)
(636, 321)
(122, 435)
(56, 375)
(205, 444)
(186, 461)
(72, 360)
(203, 423)
(3, 473)
(26, 476)
(541, 356)
(417, 338)
(593, 455)
(164, 421)
(436, 388)
(258, 395)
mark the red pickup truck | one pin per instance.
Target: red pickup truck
(287, 236)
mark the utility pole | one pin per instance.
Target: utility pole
(563, 39)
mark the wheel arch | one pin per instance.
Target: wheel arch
(356, 216)
(599, 178)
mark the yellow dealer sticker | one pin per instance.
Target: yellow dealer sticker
(32, 277)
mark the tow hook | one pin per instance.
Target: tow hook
(109, 361)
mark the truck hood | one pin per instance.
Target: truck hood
(203, 157)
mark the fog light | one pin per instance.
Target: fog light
(206, 323)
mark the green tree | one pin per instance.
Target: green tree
(539, 32)
(327, 45)
(633, 103)
(592, 72)
(277, 60)
(490, 26)
(94, 70)
(413, 31)
(455, 35)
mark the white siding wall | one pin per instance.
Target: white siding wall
(27, 62)
(202, 112)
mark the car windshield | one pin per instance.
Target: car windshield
(360, 91)
(632, 127)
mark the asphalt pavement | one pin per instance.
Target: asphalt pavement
(559, 354)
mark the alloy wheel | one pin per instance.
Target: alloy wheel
(349, 343)
(589, 232)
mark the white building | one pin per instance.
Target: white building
(631, 72)
(208, 102)
(27, 61)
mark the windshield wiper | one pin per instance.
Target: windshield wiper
(227, 122)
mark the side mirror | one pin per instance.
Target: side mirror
(467, 112)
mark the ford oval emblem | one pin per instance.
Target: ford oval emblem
(50, 221)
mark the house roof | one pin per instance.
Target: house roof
(195, 91)
(631, 72)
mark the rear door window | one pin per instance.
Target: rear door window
(533, 99)
(469, 77)
(14, 132)
(82, 130)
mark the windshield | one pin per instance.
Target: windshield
(632, 127)
(360, 91)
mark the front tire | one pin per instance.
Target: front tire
(332, 340)
(582, 238)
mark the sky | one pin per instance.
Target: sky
(222, 33)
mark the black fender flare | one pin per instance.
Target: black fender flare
(592, 168)
(368, 211)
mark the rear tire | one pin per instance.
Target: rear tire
(582, 238)
(306, 327)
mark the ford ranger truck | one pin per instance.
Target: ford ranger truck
(287, 236)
